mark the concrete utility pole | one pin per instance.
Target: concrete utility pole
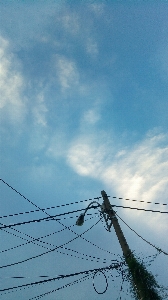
(109, 210)
(143, 282)
(123, 243)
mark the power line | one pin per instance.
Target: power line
(49, 215)
(58, 206)
(112, 266)
(33, 239)
(84, 256)
(51, 250)
(142, 201)
(40, 209)
(43, 209)
(158, 249)
(62, 287)
(58, 220)
(142, 209)
(50, 218)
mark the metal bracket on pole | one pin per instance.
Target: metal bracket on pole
(106, 217)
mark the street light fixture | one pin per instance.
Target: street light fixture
(80, 219)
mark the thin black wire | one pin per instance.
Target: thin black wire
(62, 287)
(158, 249)
(156, 211)
(77, 202)
(50, 218)
(32, 239)
(43, 209)
(37, 239)
(51, 250)
(87, 257)
(60, 247)
(57, 220)
(106, 287)
(112, 266)
(76, 281)
(149, 202)
(42, 295)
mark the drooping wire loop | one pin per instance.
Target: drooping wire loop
(106, 287)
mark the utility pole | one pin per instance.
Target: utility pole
(143, 282)
(109, 210)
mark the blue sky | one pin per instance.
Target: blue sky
(83, 107)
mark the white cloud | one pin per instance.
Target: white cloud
(70, 23)
(91, 117)
(58, 145)
(97, 8)
(85, 159)
(86, 156)
(91, 47)
(139, 173)
(12, 102)
(67, 73)
(39, 111)
(40, 173)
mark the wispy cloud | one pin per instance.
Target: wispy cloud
(91, 47)
(40, 110)
(140, 172)
(91, 117)
(97, 8)
(13, 103)
(70, 21)
(67, 72)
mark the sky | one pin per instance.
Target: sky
(83, 108)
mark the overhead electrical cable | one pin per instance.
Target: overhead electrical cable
(142, 209)
(112, 266)
(50, 218)
(32, 238)
(39, 207)
(85, 256)
(43, 209)
(157, 248)
(66, 227)
(51, 250)
(142, 201)
(69, 284)
(56, 250)
(53, 207)
(62, 287)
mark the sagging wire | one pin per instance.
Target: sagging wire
(112, 266)
(51, 250)
(62, 287)
(56, 220)
(158, 249)
(106, 287)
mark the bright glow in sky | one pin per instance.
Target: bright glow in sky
(83, 107)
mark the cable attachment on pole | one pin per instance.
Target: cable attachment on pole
(107, 218)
